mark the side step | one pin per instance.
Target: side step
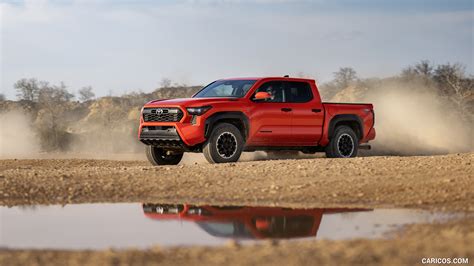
(365, 147)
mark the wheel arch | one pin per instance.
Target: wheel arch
(351, 120)
(236, 118)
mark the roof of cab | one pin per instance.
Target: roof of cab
(276, 78)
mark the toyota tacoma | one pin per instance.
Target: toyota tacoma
(230, 116)
(246, 222)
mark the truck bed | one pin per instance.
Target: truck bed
(363, 111)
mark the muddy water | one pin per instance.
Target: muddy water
(136, 225)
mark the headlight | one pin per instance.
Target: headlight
(198, 110)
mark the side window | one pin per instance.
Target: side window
(275, 89)
(299, 92)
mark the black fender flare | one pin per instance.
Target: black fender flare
(345, 118)
(216, 117)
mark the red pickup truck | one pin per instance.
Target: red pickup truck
(246, 222)
(230, 116)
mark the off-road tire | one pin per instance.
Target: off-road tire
(158, 156)
(343, 144)
(224, 145)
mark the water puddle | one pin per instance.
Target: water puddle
(135, 225)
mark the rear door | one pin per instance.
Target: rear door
(308, 114)
(271, 118)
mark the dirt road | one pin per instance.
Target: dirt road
(432, 182)
(435, 182)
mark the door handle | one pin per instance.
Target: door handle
(286, 109)
(315, 110)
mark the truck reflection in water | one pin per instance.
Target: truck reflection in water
(241, 222)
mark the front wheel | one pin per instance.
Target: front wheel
(224, 145)
(159, 156)
(344, 143)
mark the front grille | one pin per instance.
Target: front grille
(162, 114)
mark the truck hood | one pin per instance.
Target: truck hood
(188, 101)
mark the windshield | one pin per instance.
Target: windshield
(226, 88)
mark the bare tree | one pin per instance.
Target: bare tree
(423, 69)
(28, 89)
(344, 77)
(52, 94)
(2, 97)
(53, 100)
(86, 94)
(452, 82)
(165, 83)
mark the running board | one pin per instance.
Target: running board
(365, 147)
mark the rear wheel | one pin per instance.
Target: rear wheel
(224, 145)
(344, 143)
(159, 156)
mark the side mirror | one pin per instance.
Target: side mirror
(262, 95)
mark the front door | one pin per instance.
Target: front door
(271, 118)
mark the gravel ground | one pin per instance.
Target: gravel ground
(430, 182)
(434, 182)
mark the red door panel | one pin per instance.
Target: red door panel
(271, 118)
(307, 113)
(307, 123)
(270, 125)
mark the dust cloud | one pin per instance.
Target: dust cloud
(413, 120)
(17, 136)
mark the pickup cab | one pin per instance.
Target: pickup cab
(230, 116)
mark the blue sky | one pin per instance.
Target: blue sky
(121, 46)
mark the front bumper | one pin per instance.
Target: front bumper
(157, 132)
(166, 137)
(188, 132)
